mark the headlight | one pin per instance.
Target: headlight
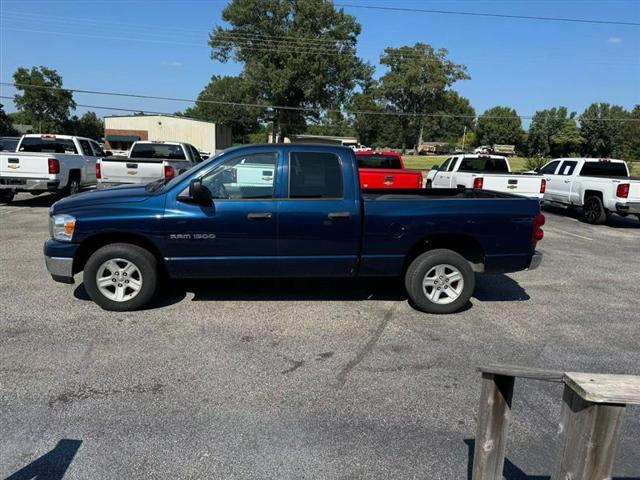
(61, 227)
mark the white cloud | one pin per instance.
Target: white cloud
(614, 40)
(173, 63)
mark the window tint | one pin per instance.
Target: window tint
(8, 144)
(157, 150)
(452, 164)
(604, 169)
(246, 176)
(483, 164)
(195, 154)
(47, 145)
(314, 175)
(567, 167)
(445, 165)
(86, 148)
(372, 160)
(550, 168)
(98, 150)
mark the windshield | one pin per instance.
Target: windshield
(379, 161)
(157, 150)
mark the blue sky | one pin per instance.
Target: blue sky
(159, 47)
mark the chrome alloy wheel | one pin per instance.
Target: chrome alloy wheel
(119, 280)
(443, 284)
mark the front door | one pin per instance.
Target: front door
(234, 237)
(549, 174)
(319, 216)
(442, 178)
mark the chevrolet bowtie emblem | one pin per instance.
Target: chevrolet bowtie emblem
(13, 165)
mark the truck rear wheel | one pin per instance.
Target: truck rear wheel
(121, 277)
(73, 186)
(593, 211)
(440, 281)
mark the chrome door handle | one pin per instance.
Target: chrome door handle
(259, 216)
(333, 215)
(567, 181)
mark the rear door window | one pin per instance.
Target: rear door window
(48, 145)
(315, 175)
(567, 167)
(86, 148)
(604, 169)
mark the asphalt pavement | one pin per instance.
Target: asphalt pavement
(289, 379)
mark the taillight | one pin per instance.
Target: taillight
(623, 190)
(54, 166)
(543, 186)
(169, 172)
(478, 182)
(538, 233)
(98, 171)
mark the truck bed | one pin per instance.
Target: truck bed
(432, 193)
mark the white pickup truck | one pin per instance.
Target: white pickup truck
(48, 163)
(484, 172)
(600, 186)
(146, 162)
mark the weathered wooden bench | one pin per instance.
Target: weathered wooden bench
(590, 421)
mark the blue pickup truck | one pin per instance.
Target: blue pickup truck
(304, 216)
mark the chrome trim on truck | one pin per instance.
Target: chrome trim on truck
(536, 260)
(61, 269)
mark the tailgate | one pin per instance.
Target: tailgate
(634, 191)
(122, 170)
(383, 178)
(526, 185)
(34, 165)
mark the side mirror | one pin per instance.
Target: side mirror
(199, 193)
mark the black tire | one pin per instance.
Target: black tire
(593, 211)
(429, 184)
(6, 196)
(73, 186)
(423, 265)
(141, 258)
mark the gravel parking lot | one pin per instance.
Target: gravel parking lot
(302, 379)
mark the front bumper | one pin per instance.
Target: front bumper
(58, 257)
(29, 184)
(536, 260)
(632, 208)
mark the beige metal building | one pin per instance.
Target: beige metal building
(121, 131)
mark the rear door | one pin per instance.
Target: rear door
(319, 216)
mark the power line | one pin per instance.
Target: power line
(283, 107)
(494, 15)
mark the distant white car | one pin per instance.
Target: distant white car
(600, 186)
(483, 149)
(485, 172)
(49, 163)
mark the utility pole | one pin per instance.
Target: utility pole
(464, 134)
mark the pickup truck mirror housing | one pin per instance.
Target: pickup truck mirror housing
(198, 193)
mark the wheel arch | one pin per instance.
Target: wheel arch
(93, 243)
(592, 193)
(466, 245)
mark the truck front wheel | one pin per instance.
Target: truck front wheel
(121, 277)
(439, 281)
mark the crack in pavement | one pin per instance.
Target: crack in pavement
(355, 361)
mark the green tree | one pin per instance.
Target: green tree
(88, 125)
(554, 132)
(332, 123)
(416, 82)
(446, 128)
(6, 125)
(633, 133)
(500, 125)
(241, 120)
(42, 102)
(296, 53)
(604, 128)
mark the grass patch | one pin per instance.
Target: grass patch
(425, 162)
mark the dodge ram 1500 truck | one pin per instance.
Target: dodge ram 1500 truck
(311, 219)
(386, 170)
(600, 186)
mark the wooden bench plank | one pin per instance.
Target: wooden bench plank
(605, 388)
(522, 372)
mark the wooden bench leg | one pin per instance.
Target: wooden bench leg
(589, 434)
(494, 418)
